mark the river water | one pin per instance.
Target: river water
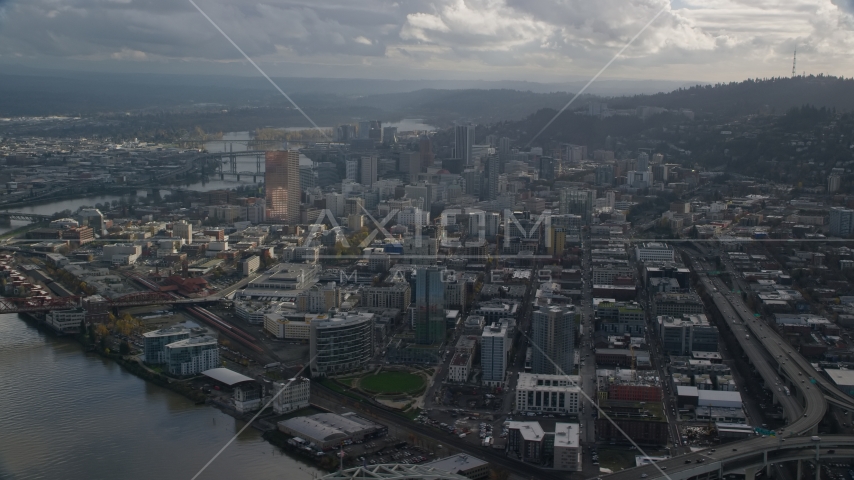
(66, 414)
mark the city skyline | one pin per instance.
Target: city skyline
(452, 279)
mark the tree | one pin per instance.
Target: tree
(124, 348)
(102, 331)
(498, 474)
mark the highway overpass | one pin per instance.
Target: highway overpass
(745, 456)
(773, 359)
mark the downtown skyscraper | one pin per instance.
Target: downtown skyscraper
(281, 181)
(463, 143)
(429, 306)
(489, 188)
(553, 338)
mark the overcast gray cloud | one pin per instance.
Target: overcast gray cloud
(543, 40)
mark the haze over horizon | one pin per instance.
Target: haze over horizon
(549, 42)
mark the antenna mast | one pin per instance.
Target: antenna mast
(794, 62)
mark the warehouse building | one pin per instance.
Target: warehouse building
(717, 398)
(327, 430)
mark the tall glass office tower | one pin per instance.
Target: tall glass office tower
(429, 306)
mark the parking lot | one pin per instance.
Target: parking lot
(387, 450)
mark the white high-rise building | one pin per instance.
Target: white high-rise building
(494, 346)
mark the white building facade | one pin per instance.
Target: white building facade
(494, 346)
(294, 395)
(540, 393)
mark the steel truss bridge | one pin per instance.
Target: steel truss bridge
(6, 217)
(38, 304)
(230, 158)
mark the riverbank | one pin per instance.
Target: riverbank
(265, 424)
(130, 365)
(76, 416)
(22, 230)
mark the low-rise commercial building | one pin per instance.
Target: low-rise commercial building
(459, 368)
(718, 398)
(677, 304)
(643, 422)
(686, 334)
(121, 254)
(66, 321)
(463, 464)
(290, 327)
(620, 318)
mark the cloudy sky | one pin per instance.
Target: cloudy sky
(535, 40)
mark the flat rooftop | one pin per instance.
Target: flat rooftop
(456, 463)
(567, 435)
(842, 378)
(531, 431)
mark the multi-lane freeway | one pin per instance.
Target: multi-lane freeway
(733, 457)
(780, 367)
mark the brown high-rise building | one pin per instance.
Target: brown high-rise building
(282, 185)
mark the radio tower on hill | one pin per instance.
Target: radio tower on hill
(794, 62)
